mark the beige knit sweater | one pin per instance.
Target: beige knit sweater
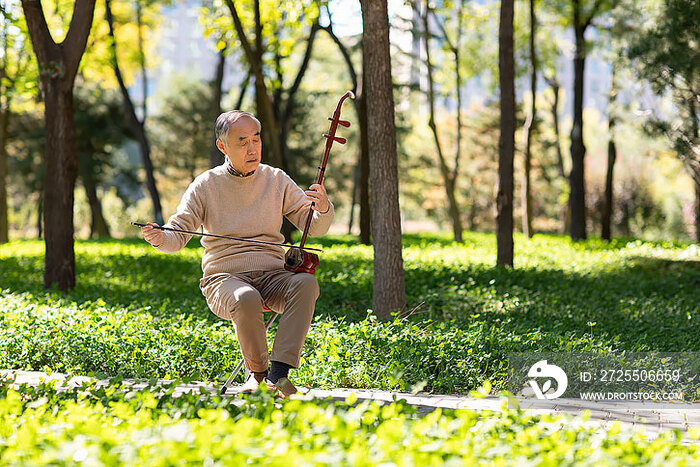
(246, 207)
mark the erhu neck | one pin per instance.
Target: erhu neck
(330, 139)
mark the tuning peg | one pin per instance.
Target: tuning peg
(344, 123)
(336, 138)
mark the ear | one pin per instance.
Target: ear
(221, 147)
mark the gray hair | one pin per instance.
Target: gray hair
(226, 119)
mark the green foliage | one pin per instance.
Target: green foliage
(183, 130)
(284, 26)
(139, 313)
(117, 425)
(100, 128)
(665, 46)
(666, 54)
(18, 67)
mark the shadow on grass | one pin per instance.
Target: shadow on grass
(643, 304)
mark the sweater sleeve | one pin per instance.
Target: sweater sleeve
(296, 208)
(189, 216)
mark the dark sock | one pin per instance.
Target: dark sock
(260, 376)
(278, 370)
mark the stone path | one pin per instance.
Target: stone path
(653, 417)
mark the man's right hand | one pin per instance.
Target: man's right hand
(152, 235)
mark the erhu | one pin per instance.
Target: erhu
(299, 258)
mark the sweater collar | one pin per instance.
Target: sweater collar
(236, 173)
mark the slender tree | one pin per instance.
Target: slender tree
(449, 174)
(4, 122)
(506, 143)
(559, 162)
(530, 128)
(58, 65)
(138, 126)
(556, 89)
(215, 156)
(389, 289)
(612, 156)
(581, 18)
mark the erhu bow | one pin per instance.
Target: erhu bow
(204, 234)
(298, 258)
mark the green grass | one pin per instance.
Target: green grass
(114, 425)
(139, 313)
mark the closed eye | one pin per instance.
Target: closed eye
(244, 140)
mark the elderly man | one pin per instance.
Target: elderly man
(246, 199)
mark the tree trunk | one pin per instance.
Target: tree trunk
(61, 172)
(577, 179)
(58, 65)
(355, 189)
(695, 174)
(697, 212)
(365, 204)
(608, 202)
(136, 125)
(625, 215)
(145, 147)
(4, 121)
(554, 84)
(612, 156)
(215, 156)
(458, 146)
(40, 217)
(471, 213)
(98, 224)
(506, 143)
(241, 96)
(564, 210)
(530, 125)
(389, 288)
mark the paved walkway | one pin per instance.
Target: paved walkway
(653, 417)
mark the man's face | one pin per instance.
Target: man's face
(243, 145)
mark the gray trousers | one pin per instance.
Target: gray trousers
(240, 297)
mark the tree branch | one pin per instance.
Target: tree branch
(593, 12)
(302, 70)
(247, 48)
(131, 110)
(346, 55)
(73, 46)
(445, 36)
(42, 42)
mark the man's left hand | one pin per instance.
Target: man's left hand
(317, 194)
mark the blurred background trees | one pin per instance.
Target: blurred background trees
(595, 157)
